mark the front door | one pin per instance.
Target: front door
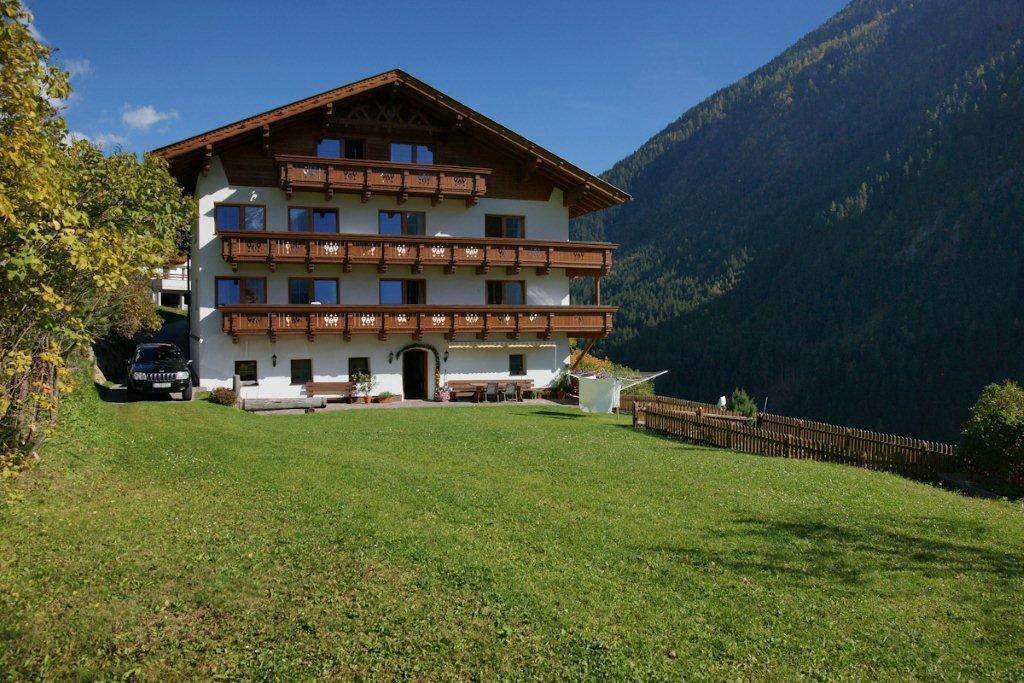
(414, 374)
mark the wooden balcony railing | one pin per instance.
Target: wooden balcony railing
(416, 320)
(383, 251)
(366, 177)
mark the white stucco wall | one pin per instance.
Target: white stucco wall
(214, 354)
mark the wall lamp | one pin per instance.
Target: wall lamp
(391, 357)
(445, 357)
(273, 360)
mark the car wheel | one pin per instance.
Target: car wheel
(186, 394)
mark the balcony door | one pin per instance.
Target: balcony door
(414, 374)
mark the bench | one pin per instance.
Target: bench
(474, 388)
(337, 390)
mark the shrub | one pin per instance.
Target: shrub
(223, 396)
(742, 403)
(993, 436)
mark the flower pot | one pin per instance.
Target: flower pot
(560, 394)
(367, 399)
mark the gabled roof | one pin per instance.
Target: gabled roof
(585, 192)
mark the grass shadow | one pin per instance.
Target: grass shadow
(554, 414)
(805, 551)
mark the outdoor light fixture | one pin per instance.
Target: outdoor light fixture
(391, 357)
(273, 360)
(446, 355)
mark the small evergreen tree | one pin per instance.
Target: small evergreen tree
(742, 403)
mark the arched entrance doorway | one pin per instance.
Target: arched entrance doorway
(414, 374)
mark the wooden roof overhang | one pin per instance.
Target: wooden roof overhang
(582, 191)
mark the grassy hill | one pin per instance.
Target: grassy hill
(841, 229)
(171, 540)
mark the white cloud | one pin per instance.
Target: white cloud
(66, 103)
(73, 136)
(31, 26)
(77, 67)
(107, 141)
(145, 116)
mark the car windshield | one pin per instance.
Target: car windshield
(155, 354)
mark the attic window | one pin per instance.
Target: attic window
(412, 153)
(339, 148)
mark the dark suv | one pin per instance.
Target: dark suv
(158, 369)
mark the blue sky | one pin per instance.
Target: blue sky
(590, 81)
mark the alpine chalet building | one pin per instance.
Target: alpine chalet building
(384, 228)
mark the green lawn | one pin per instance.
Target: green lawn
(176, 539)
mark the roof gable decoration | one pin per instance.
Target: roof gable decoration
(582, 191)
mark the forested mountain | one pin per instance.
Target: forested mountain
(843, 230)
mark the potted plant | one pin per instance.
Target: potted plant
(388, 397)
(561, 385)
(443, 394)
(365, 384)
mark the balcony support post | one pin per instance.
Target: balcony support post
(485, 267)
(417, 267)
(450, 268)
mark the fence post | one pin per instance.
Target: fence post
(789, 445)
(728, 435)
(925, 460)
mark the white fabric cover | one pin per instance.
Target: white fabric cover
(599, 395)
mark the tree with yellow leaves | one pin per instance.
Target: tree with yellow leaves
(79, 233)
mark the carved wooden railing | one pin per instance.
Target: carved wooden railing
(366, 177)
(383, 251)
(416, 320)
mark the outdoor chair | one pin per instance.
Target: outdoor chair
(510, 392)
(492, 390)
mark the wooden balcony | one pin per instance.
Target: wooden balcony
(368, 177)
(384, 251)
(416, 320)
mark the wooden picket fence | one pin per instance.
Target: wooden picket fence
(626, 403)
(778, 436)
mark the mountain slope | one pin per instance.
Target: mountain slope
(841, 231)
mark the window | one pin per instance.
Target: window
(302, 219)
(157, 354)
(516, 364)
(239, 217)
(246, 371)
(412, 153)
(403, 291)
(241, 290)
(512, 227)
(308, 290)
(508, 292)
(339, 148)
(357, 366)
(402, 223)
(302, 370)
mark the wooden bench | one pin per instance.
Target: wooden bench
(337, 390)
(474, 388)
